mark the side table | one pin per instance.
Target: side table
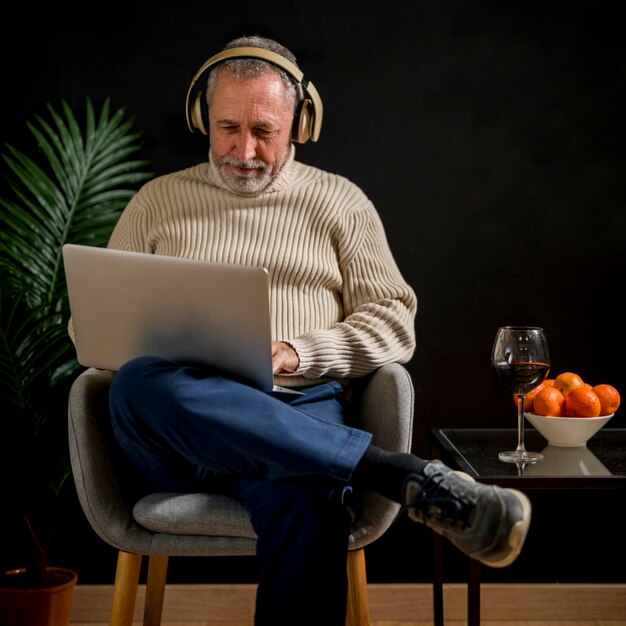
(599, 465)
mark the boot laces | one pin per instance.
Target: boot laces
(445, 498)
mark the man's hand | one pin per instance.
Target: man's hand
(284, 358)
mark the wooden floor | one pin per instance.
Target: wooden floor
(586, 622)
(389, 604)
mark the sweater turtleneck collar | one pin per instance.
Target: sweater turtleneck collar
(282, 181)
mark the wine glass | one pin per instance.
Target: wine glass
(521, 359)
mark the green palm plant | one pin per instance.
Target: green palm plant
(86, 178)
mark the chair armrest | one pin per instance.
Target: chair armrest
(386, 410)
(106, 483)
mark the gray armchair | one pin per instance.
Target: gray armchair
(160, 525)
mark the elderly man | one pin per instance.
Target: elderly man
(340, 309)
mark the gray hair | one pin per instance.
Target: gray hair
(253, 68)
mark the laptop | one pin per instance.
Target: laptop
(129, 304)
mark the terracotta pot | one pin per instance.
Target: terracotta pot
(45, 606)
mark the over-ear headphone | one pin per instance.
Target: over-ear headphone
(308, 116)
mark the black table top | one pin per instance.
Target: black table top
(601, 464)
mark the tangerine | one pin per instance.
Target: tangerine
(549, 401)
(582, 402)
(567, 381)
(609, 398)
(529, 399)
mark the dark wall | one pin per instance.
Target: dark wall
(488, 134)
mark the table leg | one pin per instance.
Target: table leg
(437, 579)
(473, 593)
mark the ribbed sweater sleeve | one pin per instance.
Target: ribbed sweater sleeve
(336, 293)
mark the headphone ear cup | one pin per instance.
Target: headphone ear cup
(198, 114)
(303, 121)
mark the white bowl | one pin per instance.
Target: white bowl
(569, 432)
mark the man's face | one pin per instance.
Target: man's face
(250, 123)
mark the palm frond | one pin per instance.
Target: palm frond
(33, 345)
(88, 174)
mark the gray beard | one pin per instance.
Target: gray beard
(249, 186)
(245, 184)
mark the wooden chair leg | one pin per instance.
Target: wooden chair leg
(125, 589)
(155, 589)
(357, 613)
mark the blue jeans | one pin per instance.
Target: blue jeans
(288, 458)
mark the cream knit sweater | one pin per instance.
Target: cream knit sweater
(337, 295)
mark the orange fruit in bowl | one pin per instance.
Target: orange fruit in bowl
(529, 399)
(549, 401)
(582, 402)
(530, 396)
(567, 382)
(609, 398)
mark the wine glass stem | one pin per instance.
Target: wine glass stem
(520, 422)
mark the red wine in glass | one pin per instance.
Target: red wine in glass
(521, 376)
(521, 359)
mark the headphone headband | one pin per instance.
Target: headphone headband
(308, 122)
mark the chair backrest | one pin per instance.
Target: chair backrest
(114, 497)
